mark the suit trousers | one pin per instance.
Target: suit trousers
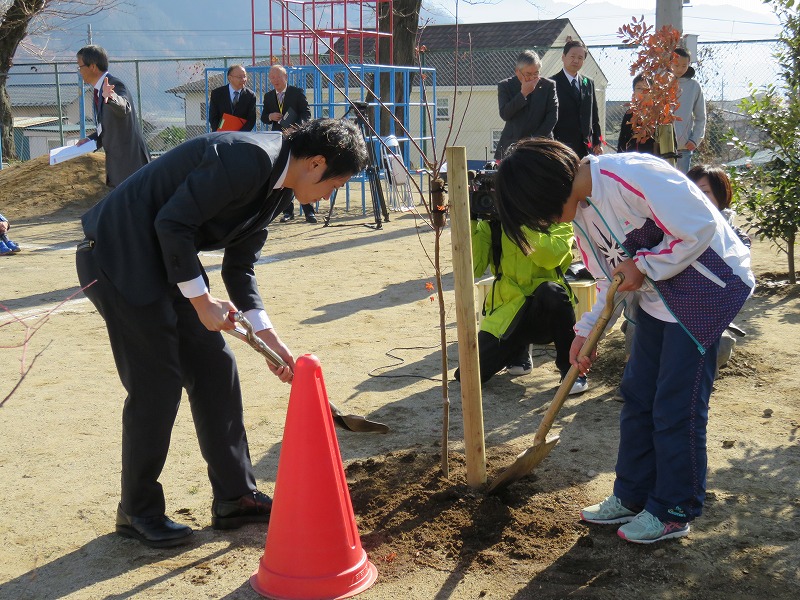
(547, 317)
(662, 458)
(159, 349)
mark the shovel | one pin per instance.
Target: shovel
(528, 460)
(348, 422)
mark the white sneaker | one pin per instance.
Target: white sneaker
(523, 369)
(580, 385)
(608, 512)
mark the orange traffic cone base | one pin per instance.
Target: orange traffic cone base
(348, 584)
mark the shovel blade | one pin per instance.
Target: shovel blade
(525, 463)
(356, 422)
(359, 424)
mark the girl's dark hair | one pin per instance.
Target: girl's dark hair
(641, 77)
(718, 181)
(683, 52)
(532, 184)
(339, 141)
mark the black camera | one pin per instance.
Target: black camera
(482, 192)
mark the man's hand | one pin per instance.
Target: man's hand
(586, 362)
(82, 142)
(633, 276)
(108, 90)
(213, 313)
(271, 339)
(529, 86)
(276, 116)
(3, 226)
(598, 149)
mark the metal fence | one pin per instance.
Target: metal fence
(50, 103)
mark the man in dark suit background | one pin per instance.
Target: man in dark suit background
(139, 261)
(234, 99)
(578, 123)
(527, 102)
(116, 126)
(286, 105)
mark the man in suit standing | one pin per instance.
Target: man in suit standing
(234, 99)
(286, 105)
(528, 103)
(116, 126)
(578, 124)
(139, 267)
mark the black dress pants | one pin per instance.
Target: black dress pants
(159, 349)
(548, 316)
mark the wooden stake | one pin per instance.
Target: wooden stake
(461, 238)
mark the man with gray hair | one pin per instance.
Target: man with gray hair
(117, 129)
(527, 103)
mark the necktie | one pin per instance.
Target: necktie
(96, 105)
(280, 100)
(576, 91)
(235, 98)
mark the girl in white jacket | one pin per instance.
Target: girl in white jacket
(635, 214)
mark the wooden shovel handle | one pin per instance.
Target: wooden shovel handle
(586, 350)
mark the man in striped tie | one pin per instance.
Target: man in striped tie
(284, 106)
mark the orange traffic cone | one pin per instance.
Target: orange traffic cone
(313, 550)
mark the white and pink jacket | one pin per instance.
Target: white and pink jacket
(697, 269)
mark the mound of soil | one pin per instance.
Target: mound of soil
(34, 189)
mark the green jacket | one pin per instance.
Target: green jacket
(521, 274)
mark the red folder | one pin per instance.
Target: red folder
(230, 123)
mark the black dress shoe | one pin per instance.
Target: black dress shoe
(311, 219)
(285, 218)
(156, 532)
(232, 514)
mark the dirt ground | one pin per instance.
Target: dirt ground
(357, 298)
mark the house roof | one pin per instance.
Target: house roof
(42, 94)
(493, 36)
(25, 122)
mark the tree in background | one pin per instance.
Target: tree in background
(769, 192)
(18, 18)
(653, 113)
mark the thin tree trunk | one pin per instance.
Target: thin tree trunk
(443, 341)
(790, 248)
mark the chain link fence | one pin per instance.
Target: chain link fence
(52, 107)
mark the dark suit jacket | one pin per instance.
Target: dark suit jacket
(214, 191)
(534, 116)
(294, 98)
(578, 122)
(220, 102)
(121, 137)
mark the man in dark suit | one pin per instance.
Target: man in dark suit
(139, 260)
(234, 99)
(578, 123)
(116, 126)
(528, 103)
(284, 106)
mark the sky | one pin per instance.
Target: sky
(598, 20)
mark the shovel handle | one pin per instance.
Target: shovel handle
(586, 350)
(248, 335)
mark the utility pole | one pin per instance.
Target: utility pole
(669, 12)
(89, 34)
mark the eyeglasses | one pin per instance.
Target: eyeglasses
(80, 67)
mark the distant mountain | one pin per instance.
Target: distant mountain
(187, 28)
